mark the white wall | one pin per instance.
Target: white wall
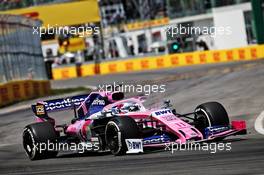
(234, 19)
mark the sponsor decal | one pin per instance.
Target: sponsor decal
(129, 66)
(40, 110)
(202, 58)
(170, 118)
(216, 56)
(144, 64)
(175, 60)
(16, 91)
(189, 59)
(4, 94)
(112, 67)
(33, 15)
(253, 52)
(160, 62)
(156, 139)
(98, 102)
(215, 130)
(162, 112)
(65, 73)
(241, 53)
(36, 88)
(230, 55)
(134, 146)
(59, 104)
(27, 89)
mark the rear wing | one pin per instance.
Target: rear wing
(58, 104)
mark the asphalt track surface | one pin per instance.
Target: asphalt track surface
(239, 86)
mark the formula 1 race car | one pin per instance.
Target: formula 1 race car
(105, 121)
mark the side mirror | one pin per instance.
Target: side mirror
(167, 104)
(118, 96)
(174, 111)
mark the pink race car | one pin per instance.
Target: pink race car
(105, 121)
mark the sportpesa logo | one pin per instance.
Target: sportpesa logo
(63, 103)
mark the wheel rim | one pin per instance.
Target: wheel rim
(28, 144)
(112, 138)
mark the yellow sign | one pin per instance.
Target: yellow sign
(63, 14)
(74, 45)
(146, 24)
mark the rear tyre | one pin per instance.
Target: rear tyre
(36, 136)
(117, 131)
(211, 114)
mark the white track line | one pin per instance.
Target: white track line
(259, 123)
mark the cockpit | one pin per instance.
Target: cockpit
(128, 106)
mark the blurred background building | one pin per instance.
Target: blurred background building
(182, 8)
(147, 39)
(16, 4)
(127, 11)
(130, 28)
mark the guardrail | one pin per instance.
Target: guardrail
(162, 61)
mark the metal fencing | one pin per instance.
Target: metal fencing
(20, 50)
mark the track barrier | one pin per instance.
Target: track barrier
(253, 52)
(15, 91)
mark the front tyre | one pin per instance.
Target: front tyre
(211, 114)
(36, 138)
(117, 131)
